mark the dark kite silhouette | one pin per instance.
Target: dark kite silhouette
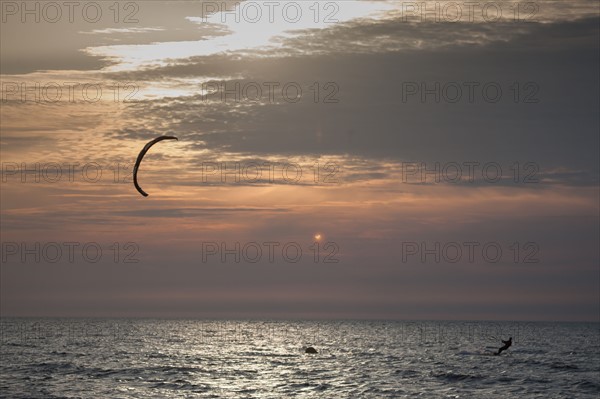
(141, 156)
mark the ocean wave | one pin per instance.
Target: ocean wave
(452, 376)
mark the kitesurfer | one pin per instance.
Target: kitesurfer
(507, 345)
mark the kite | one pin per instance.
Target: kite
(141, 156)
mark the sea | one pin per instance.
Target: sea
(164, 358)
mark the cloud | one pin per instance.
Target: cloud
(369, 133)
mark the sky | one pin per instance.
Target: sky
(335, 160)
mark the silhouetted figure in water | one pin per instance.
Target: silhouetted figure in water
(507, 345)
(310, 349)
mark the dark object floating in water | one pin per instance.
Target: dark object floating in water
(141, 156)
(310, 349)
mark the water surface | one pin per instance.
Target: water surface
(145, 358)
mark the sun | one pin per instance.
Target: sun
(317, 237)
